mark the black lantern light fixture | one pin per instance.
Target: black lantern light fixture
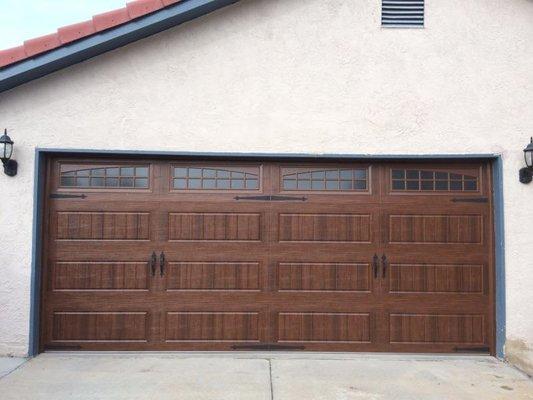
(6, 151)
(526, 174)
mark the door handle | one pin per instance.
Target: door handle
(162, 263)
(375, 265)
(384, 262)
(153, 260)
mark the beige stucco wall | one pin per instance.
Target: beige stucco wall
(282, 76)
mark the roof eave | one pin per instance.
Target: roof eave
(83, 49)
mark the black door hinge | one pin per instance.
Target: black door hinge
(67, 196)
(266, 346)
(271, 198)
(470, 200)
(481, 349)
(61, 347)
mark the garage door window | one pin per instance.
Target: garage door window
(214, 178)
(117, 177)
(432, 181)
(325, 179)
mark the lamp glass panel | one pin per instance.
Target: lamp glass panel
(7, 151)
(529, 158)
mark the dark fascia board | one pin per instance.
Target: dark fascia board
(83, 49)
(264, 156)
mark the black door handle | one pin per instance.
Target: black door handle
(375, 265)
(153, 260)
(384, 262)
(162, 263)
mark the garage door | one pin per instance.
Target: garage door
(210, 255)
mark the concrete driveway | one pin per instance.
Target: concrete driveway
(262, 376)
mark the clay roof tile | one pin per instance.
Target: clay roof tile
(70, 33)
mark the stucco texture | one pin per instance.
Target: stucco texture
(290, 76)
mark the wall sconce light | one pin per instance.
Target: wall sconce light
(526, 174)
(6, 151)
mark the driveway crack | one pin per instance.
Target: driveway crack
(270, 374)
(14, 369)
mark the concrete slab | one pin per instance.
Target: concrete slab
(9, 364)
(399, 379)
(137, 377)
(264, 376)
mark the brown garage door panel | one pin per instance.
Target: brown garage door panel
(436, 278)
(212, 327)
(76, 276)
(100, 327)
(215, 226)
(318, 327)
(324, 277)
(353, 228)
(461, 229)
(213, 276)
(103, 226)
(437, 329)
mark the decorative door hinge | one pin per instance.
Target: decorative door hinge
(481, 349)
(67, 196)
(470, 200)
(271, 198)
(266, 346)
(61, 347)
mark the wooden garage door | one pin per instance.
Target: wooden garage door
(210, 255)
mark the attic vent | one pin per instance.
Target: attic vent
(402, 13)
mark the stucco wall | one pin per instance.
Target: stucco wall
(304, 76)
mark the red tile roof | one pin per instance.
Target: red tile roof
(134, 9)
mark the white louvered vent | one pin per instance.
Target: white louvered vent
(402, 13)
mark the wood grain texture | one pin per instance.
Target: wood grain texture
(213, 276)
(436, 229)
(102, 226)
(335, 277)
(324, 327)
(412, 328)
(212, 326)
(215, 226)
(324, 228)
(100, 276)
(436, 278)
(99, 326)
(255, 271)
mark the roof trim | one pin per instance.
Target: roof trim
(91, 46)
(265, 156)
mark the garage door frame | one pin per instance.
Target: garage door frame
(41, 155)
